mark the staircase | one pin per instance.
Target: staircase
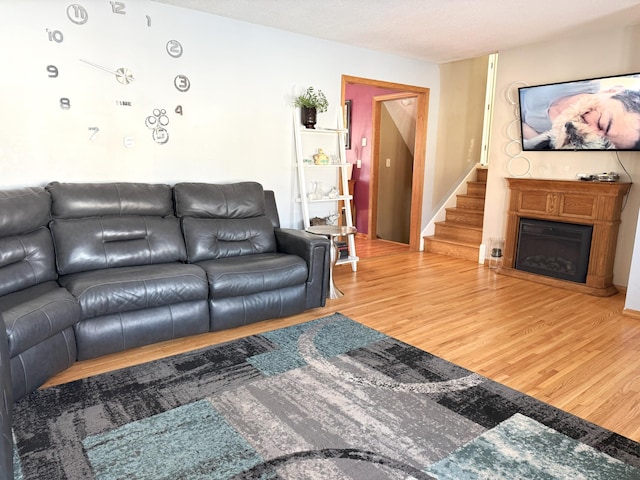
(460, 235)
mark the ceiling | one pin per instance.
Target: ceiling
(431, 30)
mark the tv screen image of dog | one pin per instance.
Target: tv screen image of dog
(593, 114)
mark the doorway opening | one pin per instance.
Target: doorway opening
(395, 144)
(367, 161)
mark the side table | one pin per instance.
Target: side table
(333, 232)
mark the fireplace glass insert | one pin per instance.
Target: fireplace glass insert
(555, 249)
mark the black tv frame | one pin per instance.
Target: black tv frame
(545, 140)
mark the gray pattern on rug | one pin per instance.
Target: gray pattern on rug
(325, 399)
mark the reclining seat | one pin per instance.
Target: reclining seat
(229, 233)
(39, 315)
(120, 252)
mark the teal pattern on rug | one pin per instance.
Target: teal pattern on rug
(521, 448)
(328, 399)
(192, 441)
(340, 336)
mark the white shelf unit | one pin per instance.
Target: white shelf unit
(332, 141)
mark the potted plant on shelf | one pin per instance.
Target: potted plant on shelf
(311, 102)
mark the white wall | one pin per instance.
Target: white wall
(237, 115)
(632, 301)
(591, 55)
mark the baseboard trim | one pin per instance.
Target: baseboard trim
(621, 288)
(627, 312)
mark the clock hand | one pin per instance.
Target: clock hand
(98, 66)
(123, 75)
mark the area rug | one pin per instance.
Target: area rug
(327, 399)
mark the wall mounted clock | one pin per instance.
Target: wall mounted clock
(115, 86)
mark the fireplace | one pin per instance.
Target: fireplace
(596, 205)
(555, 249)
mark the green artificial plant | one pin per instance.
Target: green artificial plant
(313, 99)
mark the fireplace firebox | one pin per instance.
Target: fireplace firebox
(555, 249)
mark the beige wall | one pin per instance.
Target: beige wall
(394, 182)
(462, 94)
(590, 55)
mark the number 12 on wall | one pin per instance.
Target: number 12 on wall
(118, 7)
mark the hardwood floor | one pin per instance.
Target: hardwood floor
(574, 351)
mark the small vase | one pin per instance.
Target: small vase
(308, 116)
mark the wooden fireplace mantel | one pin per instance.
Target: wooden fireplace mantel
(570, 201)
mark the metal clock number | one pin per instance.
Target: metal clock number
(77, 14)
(118, 7)
(174, 48)
(157, 123)
(182, 83)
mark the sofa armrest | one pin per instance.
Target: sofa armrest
(315, 250)
(6, 407)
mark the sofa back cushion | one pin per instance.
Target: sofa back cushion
(26, 248)
(207, 239)
(94, 243)
(98, 226)
(26, 260)
(77, 200)
(208, 200)
(224, 220)
(23, 210)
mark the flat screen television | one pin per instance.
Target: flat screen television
(593, 114)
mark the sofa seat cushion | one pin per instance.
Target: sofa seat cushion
(116, 290)
(120, 331)
(249, 274)
(36, 314)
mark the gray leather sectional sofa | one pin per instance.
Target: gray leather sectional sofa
(91, 269)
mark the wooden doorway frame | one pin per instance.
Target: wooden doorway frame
(420, 149)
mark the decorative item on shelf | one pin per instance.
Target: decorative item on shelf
(333, 193)
(343, 250)
(328, 220)
(316, 191)
(311, 102)
(318, 221)
(321, 158)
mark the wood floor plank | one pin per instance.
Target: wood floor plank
(574, 351)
